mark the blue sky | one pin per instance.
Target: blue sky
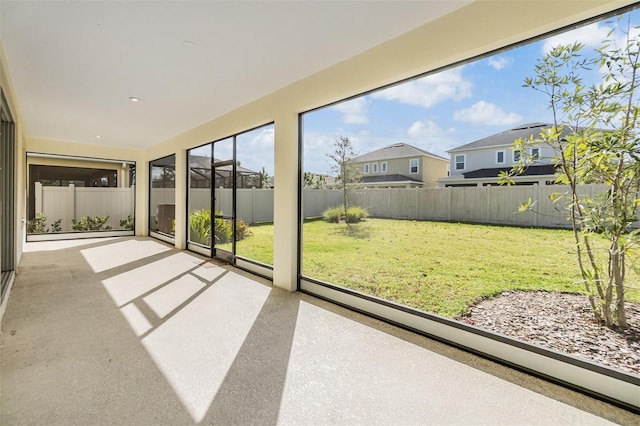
(445, 109)
(438, 112)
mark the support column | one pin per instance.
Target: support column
(181, 199)
(142, 196)
(37, 196)
(285, 223)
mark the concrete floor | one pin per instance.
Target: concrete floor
(131, 331)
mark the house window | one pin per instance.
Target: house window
(535, 153)
(383, 167)
(413, 165)
(375, 168)
(460, 162)
(366, 168)
(516, 155)
(499, 157)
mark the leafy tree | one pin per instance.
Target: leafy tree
(265, 179)
(313, 181)
(167, 177)
(320, 181)
(345, 167)
(595, 132)
(307, 180)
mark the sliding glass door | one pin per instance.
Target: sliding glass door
(230, 199)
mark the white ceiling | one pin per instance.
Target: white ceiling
(74, 64)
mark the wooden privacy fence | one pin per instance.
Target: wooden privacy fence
(488, 204)
(72, 203)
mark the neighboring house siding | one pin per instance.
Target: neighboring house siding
(432, 170)
(401, 166)
(483, 165)
(398, 166)
(398, 160)
(485, 158)
(429, 169)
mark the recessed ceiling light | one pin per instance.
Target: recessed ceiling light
(188, 43)
(98, 137)
(134, 99)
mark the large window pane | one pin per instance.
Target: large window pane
(223, 193)
(79, 195)
(235, 175)
(254, 177)
(162, 196)
(456, 246)
(200, 195)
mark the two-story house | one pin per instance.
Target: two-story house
(401, 166)
(480, 162)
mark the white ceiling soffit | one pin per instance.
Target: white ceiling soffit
(75, 64)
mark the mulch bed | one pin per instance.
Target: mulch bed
(562, 322)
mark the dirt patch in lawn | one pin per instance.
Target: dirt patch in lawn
(562, 322)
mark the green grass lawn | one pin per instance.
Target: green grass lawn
(441, 268)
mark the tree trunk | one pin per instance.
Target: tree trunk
(619, 283)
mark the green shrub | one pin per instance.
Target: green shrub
(56, 226)
(222, 229)
(333, 214)
(87, 223)
(242, 230)
(356, 214)
(38, 225)
(200, 227)
(336, 214)
(128, 223)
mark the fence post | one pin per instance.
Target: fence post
(489, 216)
(71, 205)
(38, 197)
(253, 205)
(449, 188)
(536, 196)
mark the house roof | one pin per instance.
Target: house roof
(544, 169)
(397, 150)
(203, 162)
(507, 137)
(393, 178)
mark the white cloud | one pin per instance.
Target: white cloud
(431, 137)
(354, 111)
(498, 63)
(486, 113)
(317, 146)
(430, 90)
(591, 36)
(255, 149)
(427, 128)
